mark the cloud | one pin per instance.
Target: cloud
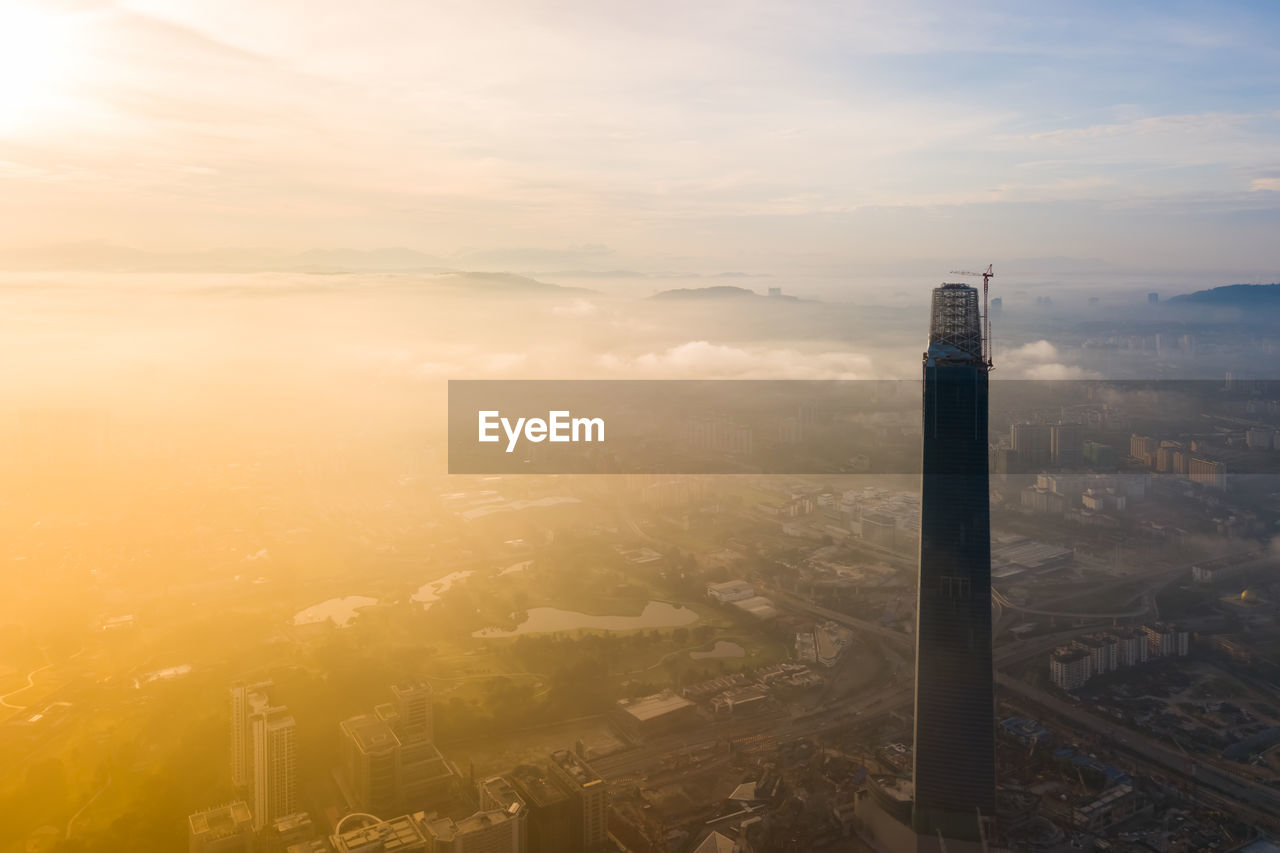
(576, 308)
(1265, 184)
(1042, 360)
(705, 360)
(1037, 351)
(1057, 370)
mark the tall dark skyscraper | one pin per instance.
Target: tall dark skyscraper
(954, 776)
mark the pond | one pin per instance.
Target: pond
(340, 611)
(429, 593)
(545, 620)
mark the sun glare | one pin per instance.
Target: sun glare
(35, 56)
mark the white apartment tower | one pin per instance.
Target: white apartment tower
(246, 701)
(275, 765)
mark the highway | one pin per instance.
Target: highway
(1255, 801)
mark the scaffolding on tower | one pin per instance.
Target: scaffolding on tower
(986, 311)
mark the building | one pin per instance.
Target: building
(497, 792)
(390, 767)
(291, 829)
(1066, 445)
(1103, 651)
(1114, 805)
(757, 606)
(370, 753)
(659, 714)
(1032, 443)
(551, 825)
(226, 829)
(275, 765)
(1167, 640)
(739, 700)
(1153, 298)
(486, 831)
(879, 529)
(1099, 455)
(1260, 438)
(735, 590)
(422, 776)
(246, 700)
(1131, 647)
(1208, 473)
(1044, 501)
(413, 706)
(1143, 448)
(398, 835)
(1070, 668)
(589, 794)
(954, 779)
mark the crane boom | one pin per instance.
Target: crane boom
(986, 314)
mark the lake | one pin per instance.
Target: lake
(340, 611)
(429, 593)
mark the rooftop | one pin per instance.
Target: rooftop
(536, 785)
(222, 821)
(370, 733)
(657, 705)
(575, 767)
(396, 834)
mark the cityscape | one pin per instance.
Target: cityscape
(581, 426)
(667, 662)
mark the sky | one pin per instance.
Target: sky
(600, 135)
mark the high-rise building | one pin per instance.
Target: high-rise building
(226, 829)
(275, 765)
(390, 763)
(551, 824)
(497, 792)
(413, 704)
(589, 794)
(246, 700)
(954, 778)
(1032, 443)
(370, 753)
(1208, 473)
(1071, 667)
(1066, 445)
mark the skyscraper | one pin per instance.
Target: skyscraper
(275, 765)
(954, 779)
(246, 700)
(590, 797)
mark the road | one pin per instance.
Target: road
(1261, 803)
(4, 700)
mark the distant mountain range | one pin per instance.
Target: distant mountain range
(105, 257)
(720, 291)
(1245, 296)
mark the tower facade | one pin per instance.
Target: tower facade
(954, 779)
(246, 701)
(275, 765)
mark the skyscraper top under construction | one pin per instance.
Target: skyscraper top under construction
(954, 779)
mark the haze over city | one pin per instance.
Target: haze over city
(943, 518)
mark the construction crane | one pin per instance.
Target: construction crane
(986, 315)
